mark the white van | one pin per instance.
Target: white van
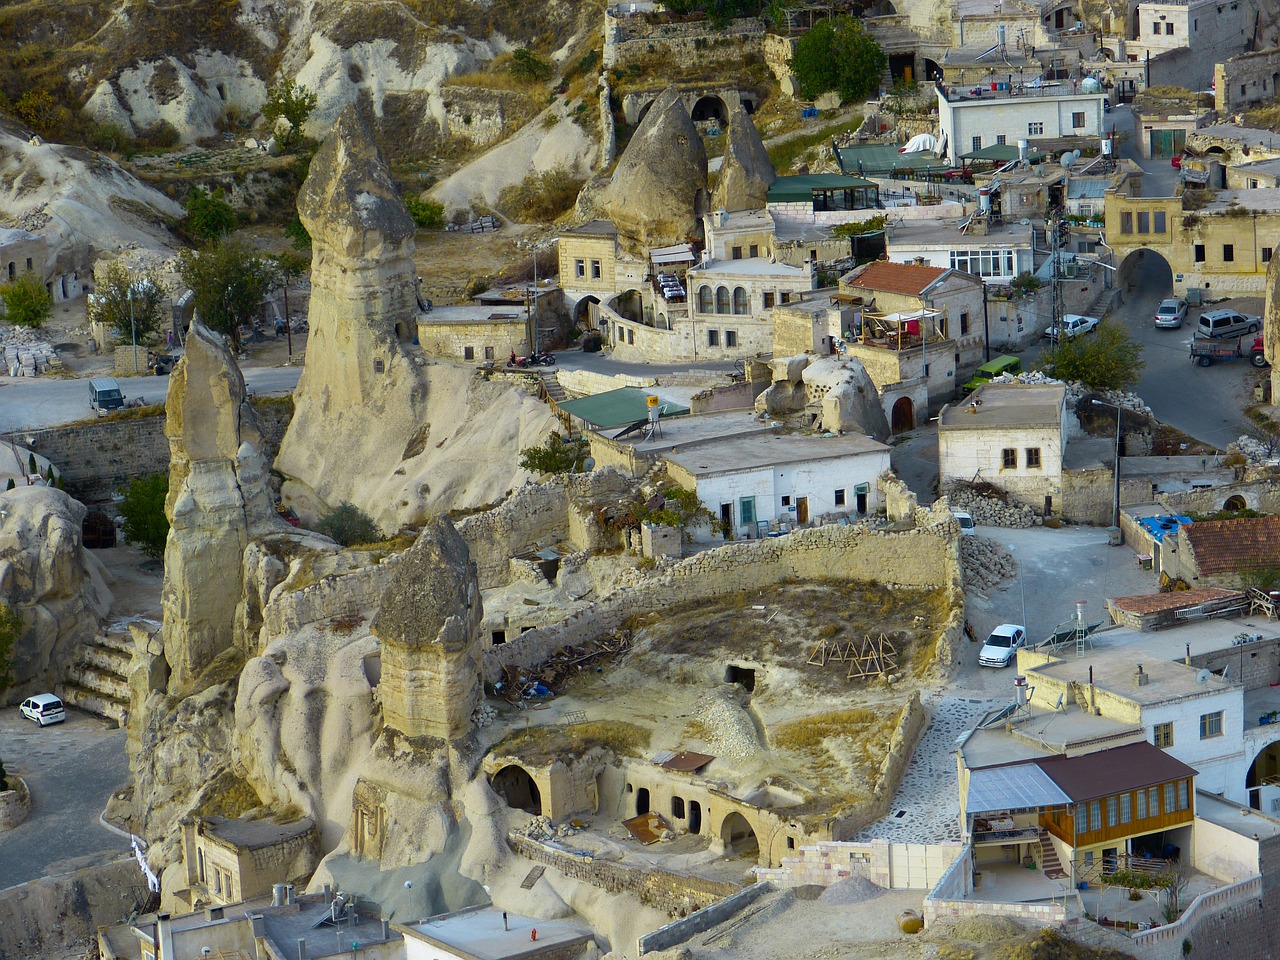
(44, 709)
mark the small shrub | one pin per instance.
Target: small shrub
(145, 524)
(541, 197)
(209, 216)
(26, 301)
(347, 524)
(10, 629)
(526, 65)
(425, 213)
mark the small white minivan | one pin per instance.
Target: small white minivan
(1227, 323)
(44, 709)
(966, 523)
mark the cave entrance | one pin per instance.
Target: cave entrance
(739, 839)
(516, 786)
(744, 676)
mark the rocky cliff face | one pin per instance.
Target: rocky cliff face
(51, 581)
(747, 172)
(219, 499)
(373, 427)
(659, 188)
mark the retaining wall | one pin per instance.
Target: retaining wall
(674, 934)
(15, 803)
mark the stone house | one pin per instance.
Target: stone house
(487, 933)
(1011, 435)
(910, 288)
(475, 333)
(1219, 553)
(996, 253)
(227, 861)
(970, 119)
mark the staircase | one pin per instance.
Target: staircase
(97, 681)
(551, 383)
(1050, 865)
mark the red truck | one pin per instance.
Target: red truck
(1204, 351)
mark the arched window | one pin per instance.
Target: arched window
(722, 299)
(705, 304)
(739, 300)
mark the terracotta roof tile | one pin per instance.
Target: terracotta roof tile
(1177, 600)
(1228, 546)
(904, 278)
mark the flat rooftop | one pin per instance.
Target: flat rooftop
(1246, 136)
(285, 926)
(1260, 199)
(1037, 732)
(1113, 670)
(1006, 405)
(748, 267)
(475, 313)
(1173, 643)
(946, 235)
(691, 429)
(1234, 817)
(732, 453)
(254, 834)
(597, 227)
(481, 933)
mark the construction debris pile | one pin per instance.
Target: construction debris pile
(1255, 450)
(25, 353)
(989, 512)
(1076, 391)
(986, 564)
(563, 664)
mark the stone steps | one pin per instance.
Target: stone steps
(98, 680)
(110, 659)
(92, 701)
(116, 641)
(555, 390)
(106, 682)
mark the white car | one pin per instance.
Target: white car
(44, 709)
(967, 527)
(1003, 645)
(1073, 325)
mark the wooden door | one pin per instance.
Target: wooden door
(802, 510)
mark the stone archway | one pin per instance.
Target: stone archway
(582, 312)
(710, 107)
(630, 305)
(1262, 782)
(1146, 272)
(932, 70)
(1235, 503)
(738, 837)
(903, 417)
(517, 787)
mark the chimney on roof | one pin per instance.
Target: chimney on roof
(1141, 679)
(918, 261)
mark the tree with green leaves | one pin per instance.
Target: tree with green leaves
(556, 455)
(128, 301)
(209, 216)
(145, 525)
(296, 233)
(229, 282)
(425, 213)
(292, 102)
(10, 630)
(27, 303)
(348, 525)
(287, 267)
(527, 65)
(1106, 359)
(838, 55)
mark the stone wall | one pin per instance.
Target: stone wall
(1206, 929)
(15, 803)
(94, 458)
(1255, 72)
(357, 594)
(482, 115)
(631, 39)
(681, 930)
(1088, 496)
(733, 396)
(675, 893)
(1262, 495)
(1255, 664)
(894, 866)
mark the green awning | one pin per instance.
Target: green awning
(881, 159)
(801, 189)
(617, 408)
(1002, 153)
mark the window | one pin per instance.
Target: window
(1184, 801)
(468, 353)
(1126, 221)
(1113, 811)
(753, 251)
(1001, 139)
(1162, 735)
(722, 299)
(1126, 807)
(28, 264)
(977, 143)
(1144, 222)
(488, 353)
(1169, 798)
(984, 263)
(706, 304)
(840, 498)
(1153, 802)
(1035, 129)
(1158, 224)
(737, 253)
(1009, 458)
(964, 324)
(740, 305)
(731, 338)
(1081, 816)
(1266, 254)
(1210, 725)
(631, 336)
(1155, 28)
(786, 296)
(1077, 120)
(1033, 458)
(1168, 29)
(1253, 184)
(768, 301)
(747, 511)
(1199, 253)
(595, 269)
(1228, 252)
(786, 501)
(1095, 815)
(713, 338)
(580, 268)
(1142, 804)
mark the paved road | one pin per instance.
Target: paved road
(72, 769)
(28, 404)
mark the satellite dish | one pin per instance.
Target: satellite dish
(588, 464)
(1203, 676)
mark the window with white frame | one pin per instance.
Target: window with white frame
(984, 263)
(580, 268)
(1035, 128)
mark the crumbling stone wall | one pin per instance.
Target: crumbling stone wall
(1254, 72)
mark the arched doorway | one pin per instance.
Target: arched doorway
(630, 304)
(583, 312)
(518, 789)
(932, 70)
(902, 67)
(644, 112)
(1263, 779)
(642, 801)
(1235, 504)
(710, 107)
(1145, 273)
(695, 816)
(904, 415)
(402, 332)
(738, 837)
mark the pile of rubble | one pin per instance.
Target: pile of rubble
(1255, 450)
(986, 564)
(564, 663)
(1078, 391)
(541, 828)
(30, 220)
(992, 513)
(483, 715)
(25, 354)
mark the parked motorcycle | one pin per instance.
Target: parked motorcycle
(542, 359)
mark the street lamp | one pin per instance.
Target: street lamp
(1022, 585)
(133, 326)
(1115, 500)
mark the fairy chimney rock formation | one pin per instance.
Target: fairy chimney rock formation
(747, 172)
(428, 625)
(219, 498)
(658, 191)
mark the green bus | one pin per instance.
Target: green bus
(992, 369)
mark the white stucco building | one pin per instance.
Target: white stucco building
(973, 118)
(997, 255)
(1012, 435)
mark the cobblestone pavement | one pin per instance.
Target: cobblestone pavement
(926, 808)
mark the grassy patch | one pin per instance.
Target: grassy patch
(786, 153)
(544, 744)
(832, 741)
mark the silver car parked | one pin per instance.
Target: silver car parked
(1171, 313)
